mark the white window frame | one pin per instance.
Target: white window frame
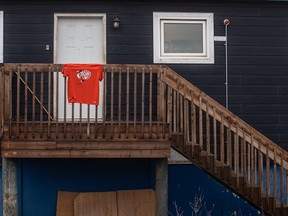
(207, 21)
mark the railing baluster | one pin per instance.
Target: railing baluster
(49, 101)
(244, 143)
(267, 174)
(170, 110)
(33, 102)
(229, 146)
(193, 124)
(18, 101)
(119, 102)
(215, 138)
(112, 103)
(135, 100)
(127, 101)
(41, 101)
(73, 119)
(104, 112)
(207, 134)
(237, 155)
(260, 169)
(143, 102)
(80, 120)
(200, 125)
(222, 140)
(57, 102)
(65, 106)
(275, 177)
(88, 121)
(10, 101)
(150, 102)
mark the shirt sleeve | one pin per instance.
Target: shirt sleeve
(101, 73)
(65, 70)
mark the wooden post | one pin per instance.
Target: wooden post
(161, 187)
(10, 189)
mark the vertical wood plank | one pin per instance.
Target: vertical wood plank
(222, 152)
(275, 177)
(170, 110)
(237, 156)
(135, 100)
(104, 112)
(18, 101)
(150, 102)
(119, 102)
(49, 100)
(244, 144)
(143, 102)
(41, 101)
(112, 103)
(215, 138)
(200, 124)
(65, 107)
(57, 102)
(88, 122)
(208, 134)
(33, 101)
(267, 174)
(127, 100)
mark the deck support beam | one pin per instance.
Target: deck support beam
(10, 189)
(161, 186)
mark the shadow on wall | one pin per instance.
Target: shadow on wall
(193, 192)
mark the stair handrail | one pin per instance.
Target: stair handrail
(260, 142)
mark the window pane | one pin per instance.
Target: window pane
(183, 38)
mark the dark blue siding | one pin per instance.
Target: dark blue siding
(257, 49)
(187, 184)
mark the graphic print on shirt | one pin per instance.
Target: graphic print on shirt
(83, 75)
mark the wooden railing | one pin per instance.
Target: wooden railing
(144, 102)
(33, 103)
(199, 123)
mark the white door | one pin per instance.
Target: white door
(79, 38)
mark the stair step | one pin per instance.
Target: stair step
(280, 211)
(268, 204)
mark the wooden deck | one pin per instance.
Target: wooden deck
(147, 109)
(99, 141)
(36, 125)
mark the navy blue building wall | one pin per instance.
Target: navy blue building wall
(41, 179)
(257, 49)
(258, 52)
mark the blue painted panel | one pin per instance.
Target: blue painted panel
(1, 203)
(196, 193)
(42, 178)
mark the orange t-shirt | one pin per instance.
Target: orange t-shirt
(83, 82)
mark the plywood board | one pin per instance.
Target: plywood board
(98, 203)
(65, 203)
(136, 202)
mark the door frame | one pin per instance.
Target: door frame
(57, 16)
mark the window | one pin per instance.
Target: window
(183, 38)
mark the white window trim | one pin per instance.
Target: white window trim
(207, 57)
(1, 36)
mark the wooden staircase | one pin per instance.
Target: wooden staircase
(224, 146)
(149, 107)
